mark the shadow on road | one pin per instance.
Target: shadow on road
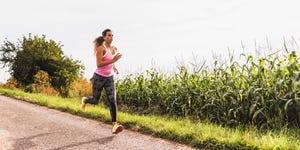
(25, 143)
(99, 141)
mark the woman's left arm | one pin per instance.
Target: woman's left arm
(114, 52)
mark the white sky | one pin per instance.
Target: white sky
(151, 30)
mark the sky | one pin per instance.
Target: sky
(159, 32)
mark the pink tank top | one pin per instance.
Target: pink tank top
(106, 71)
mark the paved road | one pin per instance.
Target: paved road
(28, 126)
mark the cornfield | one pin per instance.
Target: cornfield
(261, 92)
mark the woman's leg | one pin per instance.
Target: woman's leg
(98, 83)
(111, 97)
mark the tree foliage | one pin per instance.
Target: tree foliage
(31, 54)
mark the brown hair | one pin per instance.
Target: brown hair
(99, 40)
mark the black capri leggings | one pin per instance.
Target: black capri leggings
(108, 83)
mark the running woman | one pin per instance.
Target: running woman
(106, 56)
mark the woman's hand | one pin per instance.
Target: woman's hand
(116, 70)
(117, 57)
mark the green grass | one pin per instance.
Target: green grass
(199, 135)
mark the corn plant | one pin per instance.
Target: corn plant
(262, 92)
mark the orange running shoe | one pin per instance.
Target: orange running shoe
(117, 128)
(82, 106)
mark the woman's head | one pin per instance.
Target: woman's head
(107, 37)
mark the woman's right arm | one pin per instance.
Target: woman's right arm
(99, 56)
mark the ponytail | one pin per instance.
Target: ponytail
(98, 42)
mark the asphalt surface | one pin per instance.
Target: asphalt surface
(28, 126)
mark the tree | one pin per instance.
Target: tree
(28, 56)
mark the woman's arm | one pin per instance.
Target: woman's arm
(99, 56)
(115, 69)
(114, 51)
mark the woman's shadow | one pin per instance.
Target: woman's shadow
(99, 141)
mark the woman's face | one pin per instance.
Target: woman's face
(108, 37)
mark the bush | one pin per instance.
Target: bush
(13, 83)
(31, 54)
(42, 84)
(81, 87)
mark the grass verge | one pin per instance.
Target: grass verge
(198, 135)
